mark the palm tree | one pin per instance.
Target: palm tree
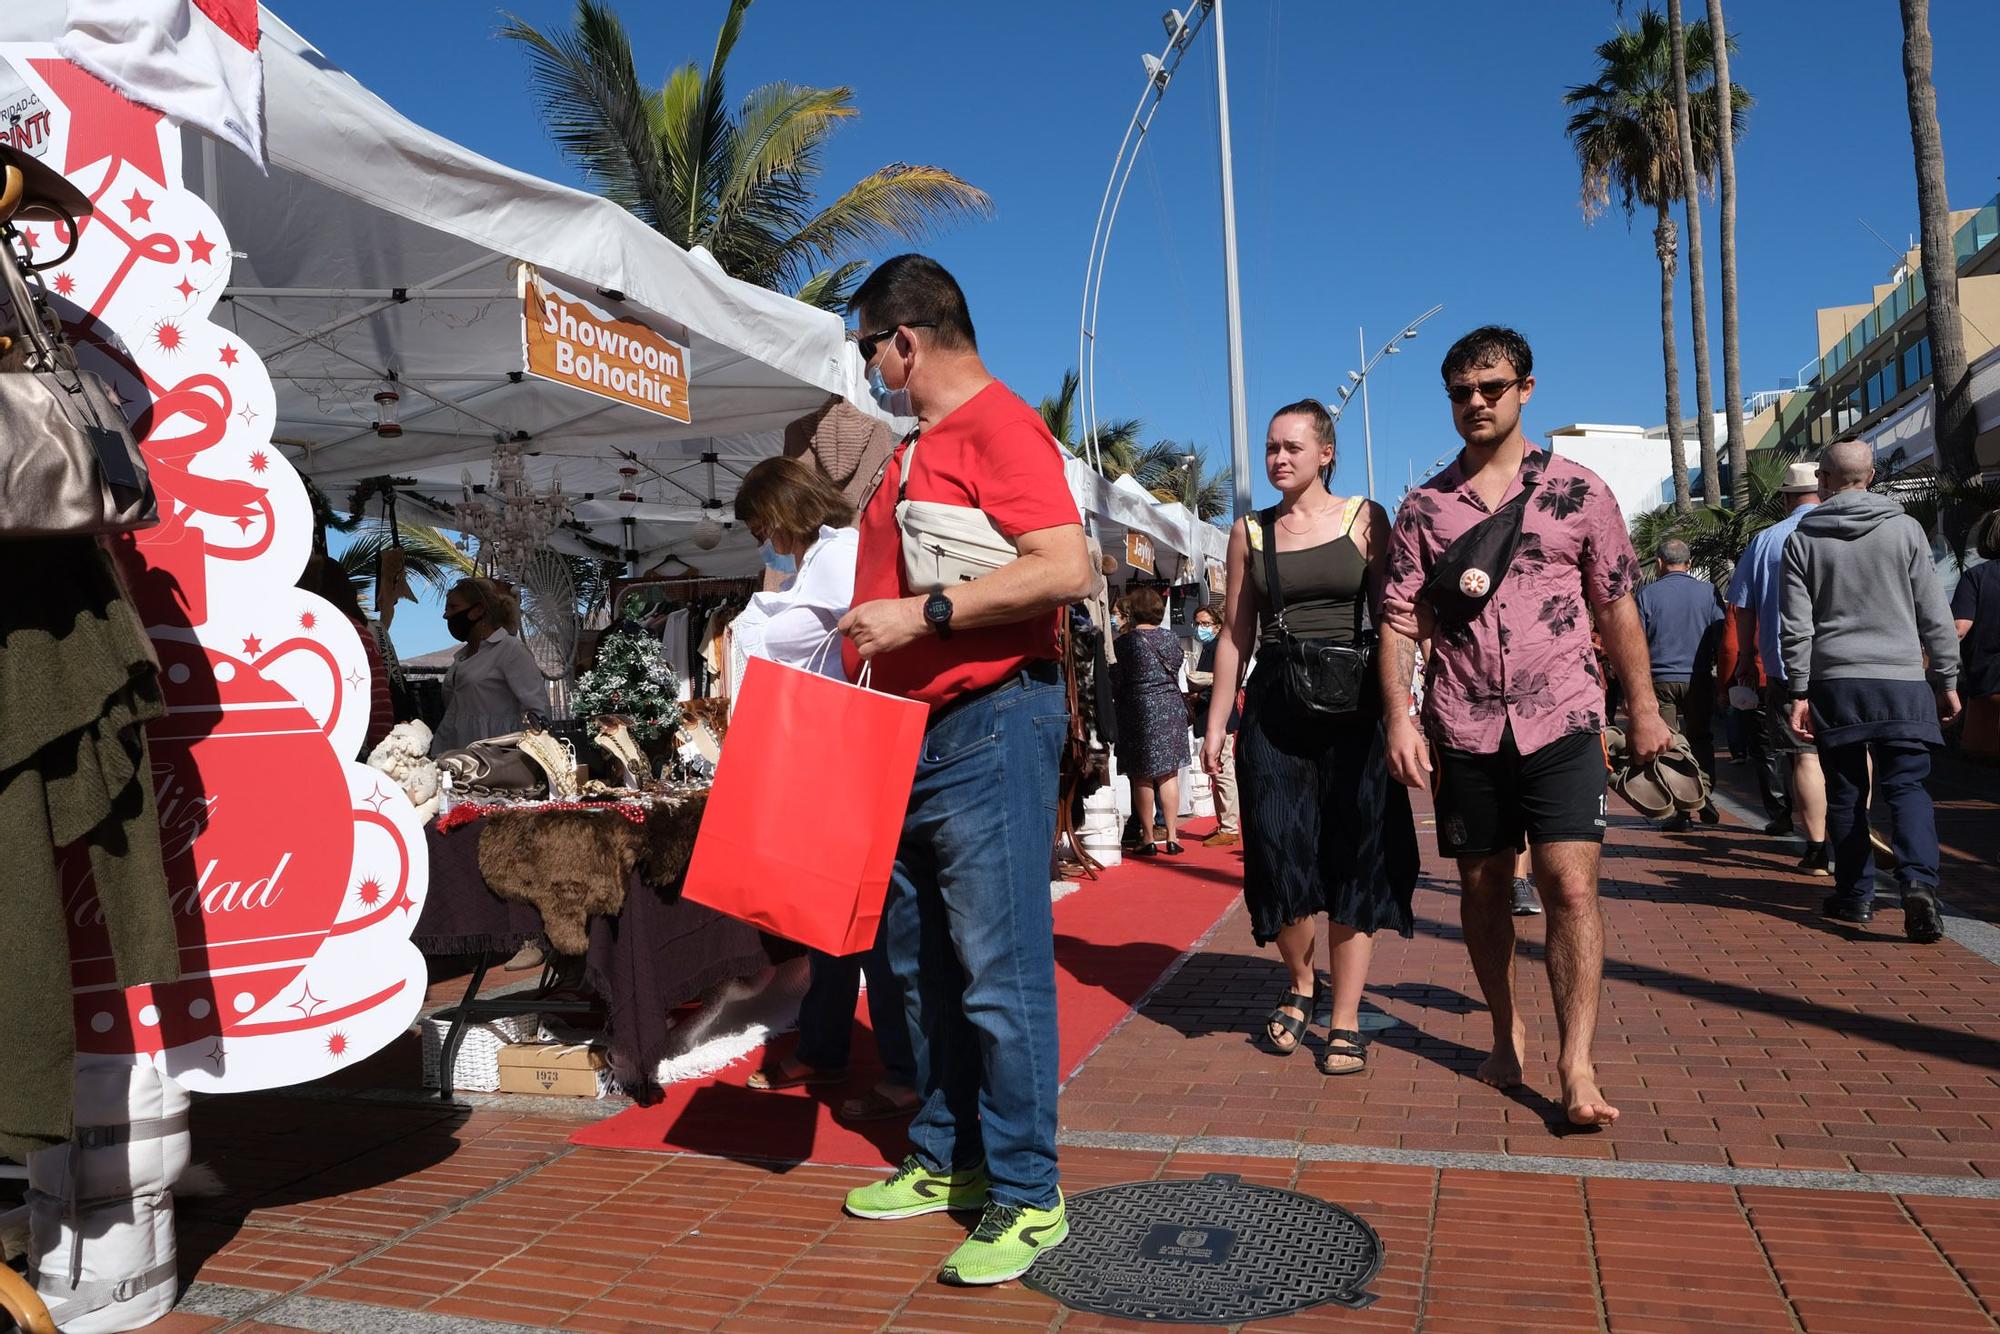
(1719, 534)
(1951, 390)
(429, 557)
(1732, 345)
(1117, 441)
(739, 181)
(1704, 393)
(1624, 132)
(1173, 470)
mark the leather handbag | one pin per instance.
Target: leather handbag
(946, 544)
(1322, 675)
(69, 465)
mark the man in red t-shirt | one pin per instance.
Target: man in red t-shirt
(967, 924)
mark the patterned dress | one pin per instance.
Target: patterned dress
(1152, 716)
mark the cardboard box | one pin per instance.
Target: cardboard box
(549, 1069)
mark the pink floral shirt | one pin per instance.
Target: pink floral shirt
(1527, 660)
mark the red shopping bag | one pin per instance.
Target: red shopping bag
(802, 823)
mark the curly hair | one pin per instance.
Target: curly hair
(1488, 345)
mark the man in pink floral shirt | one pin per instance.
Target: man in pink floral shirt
(1514, 699)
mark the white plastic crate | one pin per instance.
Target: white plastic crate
(477, 1069)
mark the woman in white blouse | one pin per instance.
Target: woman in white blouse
(804, 526)
(493, 680)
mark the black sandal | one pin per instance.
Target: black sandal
(1146, 850)
(1353, 1047)
(1294, 1025)
(1172, 848)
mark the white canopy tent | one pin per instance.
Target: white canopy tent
(1122, 506)
(376, 246)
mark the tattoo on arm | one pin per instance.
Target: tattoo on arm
(1399, 668)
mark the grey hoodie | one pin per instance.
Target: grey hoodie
(1861, 598)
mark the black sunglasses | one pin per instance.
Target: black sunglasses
(1490, 390)
(867, 343)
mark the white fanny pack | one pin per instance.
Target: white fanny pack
(946, 544)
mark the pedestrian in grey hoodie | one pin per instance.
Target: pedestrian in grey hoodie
(1871, 657)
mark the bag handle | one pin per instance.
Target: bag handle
(1274, 587)
(819, 656)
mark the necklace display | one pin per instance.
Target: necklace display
(615, 739)
(555, 759)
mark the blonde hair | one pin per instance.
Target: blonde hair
(503, 609)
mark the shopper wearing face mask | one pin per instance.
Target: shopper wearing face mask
(493, 680)
(803, 525)
(1228, 813)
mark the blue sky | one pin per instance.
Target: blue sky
(1388, 157)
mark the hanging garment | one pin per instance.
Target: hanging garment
(674, 639)
(78, 681)
(845, 444)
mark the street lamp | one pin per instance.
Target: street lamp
(1359, 380)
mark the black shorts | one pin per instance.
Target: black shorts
(1506, 800)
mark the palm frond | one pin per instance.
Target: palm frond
(831, 289)
(595, 107)
(900, 202)
(429, 557)
(1059, 411)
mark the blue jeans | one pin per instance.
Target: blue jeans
(826, 1015)
(971, 935)
(1900, 770)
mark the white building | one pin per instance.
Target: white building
(1633, 460)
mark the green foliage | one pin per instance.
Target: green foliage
(1719, 534)
(429, 557)
(1623, 125)
(1158, 467)
(740, 181)
(631, 677)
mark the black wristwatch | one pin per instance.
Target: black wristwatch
(937, 614)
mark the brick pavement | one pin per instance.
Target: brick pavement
(1741, 1036)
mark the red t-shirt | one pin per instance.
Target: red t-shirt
(993, 453)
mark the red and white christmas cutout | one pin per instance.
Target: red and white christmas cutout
(296, 874)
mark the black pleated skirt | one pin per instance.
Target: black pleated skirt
(1325, 828)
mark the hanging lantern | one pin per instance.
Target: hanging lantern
(707, 534)
(626, 494)
(387, 400)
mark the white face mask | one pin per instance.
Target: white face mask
(895, 402)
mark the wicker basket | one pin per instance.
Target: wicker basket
(477, 1069)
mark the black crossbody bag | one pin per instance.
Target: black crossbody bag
(1323, 676)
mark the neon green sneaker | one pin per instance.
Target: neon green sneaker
(915, 1189)
(1005, 1244)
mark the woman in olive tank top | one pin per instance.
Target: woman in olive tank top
(1325, 830)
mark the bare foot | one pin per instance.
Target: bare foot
(1585, 1103)
(1503, 1068)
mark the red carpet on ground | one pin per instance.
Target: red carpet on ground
(1115, 936)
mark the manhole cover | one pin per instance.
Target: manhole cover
(1212, 1252)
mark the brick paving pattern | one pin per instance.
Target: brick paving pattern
(1742, 1036)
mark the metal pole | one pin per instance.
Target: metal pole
(1239, 411)
(1367, 424)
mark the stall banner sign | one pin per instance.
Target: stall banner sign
(569, 340)
(295, 874)
(1218, 579)
(1139, 551)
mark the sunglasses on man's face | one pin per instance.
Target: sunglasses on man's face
(1490, 390)
(867, 343)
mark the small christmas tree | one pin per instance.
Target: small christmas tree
(631, 677)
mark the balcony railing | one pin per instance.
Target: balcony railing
(1974, 236)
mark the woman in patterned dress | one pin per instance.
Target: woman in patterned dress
(1152, 718)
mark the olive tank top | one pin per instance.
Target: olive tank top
(1325, 589)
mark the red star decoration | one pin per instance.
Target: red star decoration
(369, 892)
(65, 284)
(259, 461)
(200, 248)
(140, 207)
(227, 355)
(403, 901)
(308, 620)
(336, 1045)
(242, 525)
(103, 123)
(168, 335)
(184, 287)
(252, 646)
(28, 238)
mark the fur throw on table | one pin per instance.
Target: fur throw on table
(571, 865)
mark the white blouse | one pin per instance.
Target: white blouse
(792, 624)
(487, 692)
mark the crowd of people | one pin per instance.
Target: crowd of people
(1469, 646)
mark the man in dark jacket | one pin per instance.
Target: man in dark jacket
(1863, 609)
(1682, 617)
